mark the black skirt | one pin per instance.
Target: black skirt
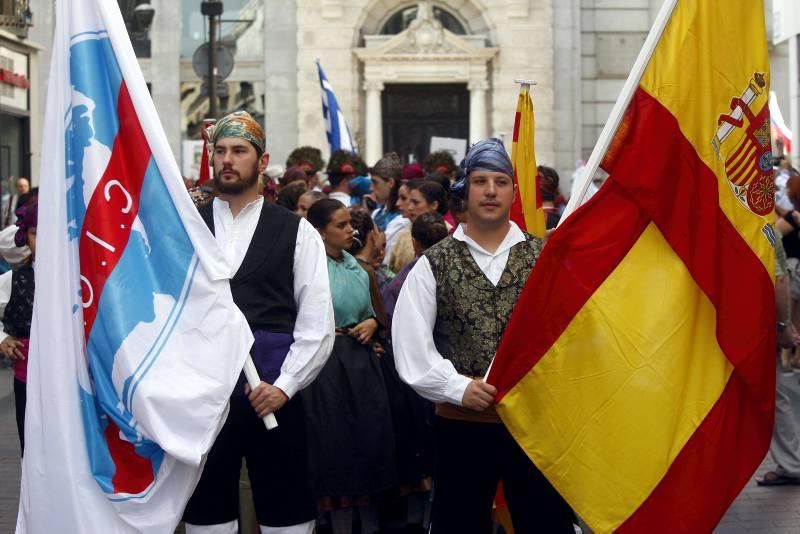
(350, 435)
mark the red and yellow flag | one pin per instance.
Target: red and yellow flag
(526, 210)
(638, 369)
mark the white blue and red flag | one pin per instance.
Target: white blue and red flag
(336, 128)
(136, 342)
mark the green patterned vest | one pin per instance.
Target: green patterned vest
(472, 313)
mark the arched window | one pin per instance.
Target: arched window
(400, 21)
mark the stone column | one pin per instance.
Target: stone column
(165, 37)
(374, 122)
(477, 109)
(794, 96)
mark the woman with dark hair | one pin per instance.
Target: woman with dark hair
(399, 249)
(428, 197)
(552, 200)
(290, 194)
(385, 187)
(352, 454)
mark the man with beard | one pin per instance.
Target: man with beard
(279, 280)
(447, 325)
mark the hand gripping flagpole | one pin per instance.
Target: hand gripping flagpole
(623, 101)
(253, 380)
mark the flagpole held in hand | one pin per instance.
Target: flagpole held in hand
(254, 380)
(621, 106)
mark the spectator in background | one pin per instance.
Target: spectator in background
(309, 160)
(427, 230)
(306, 200)
(412, 171)
(22, 186)
(292, 175)
(343, 167)
(444, 181)
(290, 194)
(386, 187)
(441, 162)
(552, 200)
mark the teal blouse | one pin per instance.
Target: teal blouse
(350, 291)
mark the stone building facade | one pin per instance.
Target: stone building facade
(403, 70)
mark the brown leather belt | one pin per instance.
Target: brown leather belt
(459, 413)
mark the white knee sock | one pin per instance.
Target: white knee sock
(302, 528)
(223, 528)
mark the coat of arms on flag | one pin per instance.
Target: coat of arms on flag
(638, 368)
(743, 141)
(135, 340)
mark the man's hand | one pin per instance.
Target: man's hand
(266, 398)
(10, 347)
(479, 395)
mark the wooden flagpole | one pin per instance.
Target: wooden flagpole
(253, 380)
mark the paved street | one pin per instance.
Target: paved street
(757, 510)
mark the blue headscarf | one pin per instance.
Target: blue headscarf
(485, 155)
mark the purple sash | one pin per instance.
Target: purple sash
(269, 351)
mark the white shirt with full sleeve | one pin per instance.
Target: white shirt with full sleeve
(314, 328)
(418, 362)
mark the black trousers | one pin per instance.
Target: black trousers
(276, 464)
(470, 460)
(20, 398)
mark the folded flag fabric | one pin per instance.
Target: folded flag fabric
(336, 129)
(527, 209)
(638, 369)
(136, 343)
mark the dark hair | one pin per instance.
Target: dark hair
(362, 224)
(29, 197)
(391, 204)
(549, 182)
(457, 204)
(440, 158)
(293, 174)
(428, 229)
(306, 154)
(412, 184)
(290, 194)
(321, 211)
(341, 158)
(440, 179)
(434, 192)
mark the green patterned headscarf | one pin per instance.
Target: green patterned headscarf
(239, 124)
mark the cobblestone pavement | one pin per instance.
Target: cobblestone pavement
(757, 510)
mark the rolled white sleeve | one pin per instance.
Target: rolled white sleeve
(418, 362)
(314, 327)
(5, 296)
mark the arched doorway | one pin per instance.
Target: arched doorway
(425, 80)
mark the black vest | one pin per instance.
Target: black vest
(472, 313)
(263, 287)
(19, 310)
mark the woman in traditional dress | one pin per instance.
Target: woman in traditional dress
(352, 453)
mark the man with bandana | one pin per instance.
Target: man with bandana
(447, 325)
(279, 280)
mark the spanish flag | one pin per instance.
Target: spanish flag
(526, 210)
(638, 369)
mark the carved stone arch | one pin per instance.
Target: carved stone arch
(471, 13)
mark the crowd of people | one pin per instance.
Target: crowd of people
(371, 350)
